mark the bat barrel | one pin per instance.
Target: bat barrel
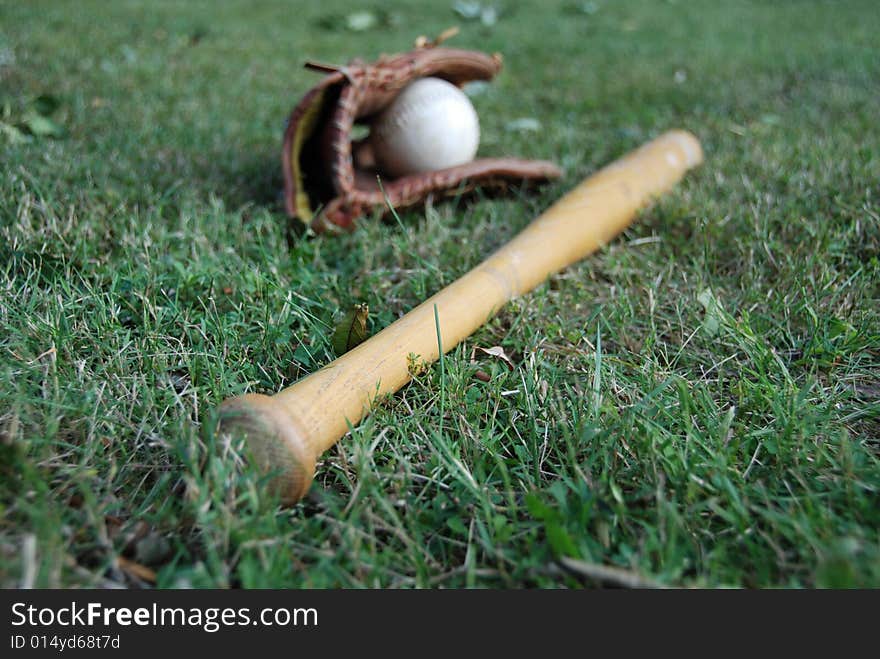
(287, 432)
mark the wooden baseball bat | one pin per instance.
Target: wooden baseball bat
(287, 432)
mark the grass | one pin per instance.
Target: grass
(697, 405)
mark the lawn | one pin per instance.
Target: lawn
(696, 405)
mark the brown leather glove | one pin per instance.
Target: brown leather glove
(326, 188)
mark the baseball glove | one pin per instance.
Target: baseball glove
(325, 187)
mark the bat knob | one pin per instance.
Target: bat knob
(273, 439)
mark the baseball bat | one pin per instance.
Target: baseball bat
(287, 432)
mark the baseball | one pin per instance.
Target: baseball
(430, 125)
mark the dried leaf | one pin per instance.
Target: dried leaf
(495, 351)
(482, 376)
(351, 330)
(416, 365)
(113, 524)
(136, 570)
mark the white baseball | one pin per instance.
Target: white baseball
(430, 125)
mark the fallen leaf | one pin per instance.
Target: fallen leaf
(351, 330)
(136, 570)
(113, 524)
(495, 351)
(416, 365)
(714, 312)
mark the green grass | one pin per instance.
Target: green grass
(697, 405)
